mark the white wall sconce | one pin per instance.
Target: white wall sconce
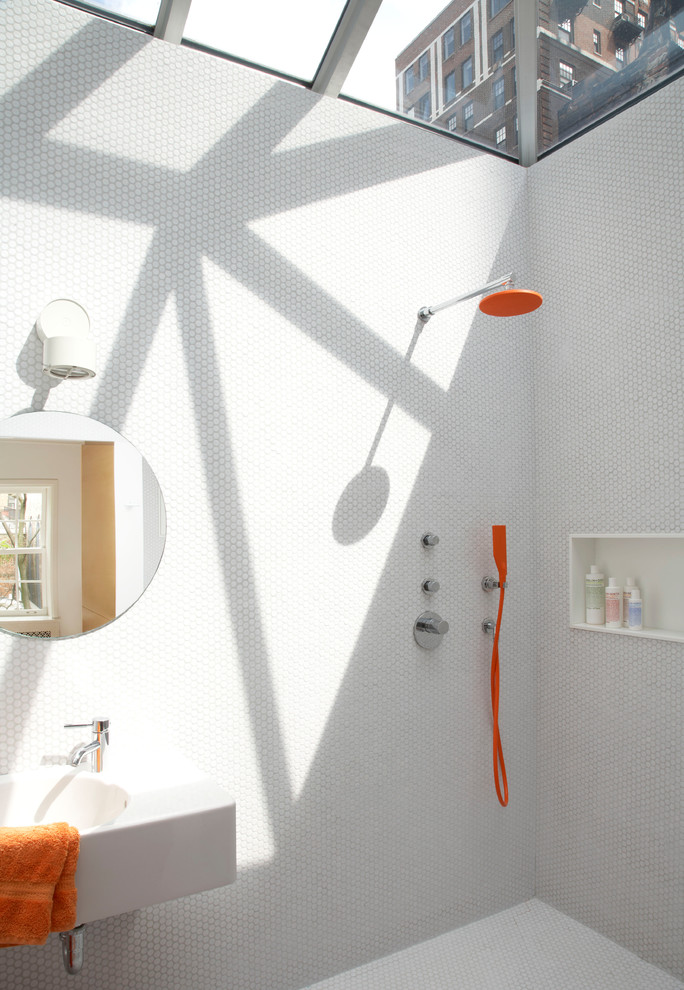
(68, 348)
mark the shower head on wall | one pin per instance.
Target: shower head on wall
(510, 302)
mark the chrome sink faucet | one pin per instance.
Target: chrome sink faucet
(97, 748)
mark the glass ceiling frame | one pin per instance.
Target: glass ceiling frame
(171, 20)
(344, 45)
(350, 34)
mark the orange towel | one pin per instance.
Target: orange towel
(37, 889)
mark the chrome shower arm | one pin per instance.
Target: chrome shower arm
(426, 312)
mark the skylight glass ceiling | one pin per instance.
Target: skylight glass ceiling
(596, 57)
(373, 75)
(287, 37)
(452, 67)
(144, 11)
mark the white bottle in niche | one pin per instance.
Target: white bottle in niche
(626, 595)
(613, 599)
(594, 597)
(635, 609)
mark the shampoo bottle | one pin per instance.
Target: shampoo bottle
(613, 599)
(635, 609)
(594, 597)
(626, 595)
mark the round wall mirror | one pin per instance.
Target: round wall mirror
(82, 524)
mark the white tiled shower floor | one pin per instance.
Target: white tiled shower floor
(529, 947)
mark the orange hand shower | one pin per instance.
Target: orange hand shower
(500, 780)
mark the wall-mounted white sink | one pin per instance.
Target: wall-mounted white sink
(60, 794)
(148, 833)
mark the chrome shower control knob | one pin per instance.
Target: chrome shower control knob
(430, 587)
(490, 583)
(489, 626)
(434, 625)
(429, 629)
(430, 540)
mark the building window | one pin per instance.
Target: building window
(423, 107)
(499, 93)
(452, 123)
(620, 54)
(641, 19)
(467, 73)
(409, 79)
(450, 87)
(497, 5)
(423, 66)
(512, 33)
(466, 27)
(448, 43)
(468, 117)
(565, 31)
(597, 42)
(618, 7)
(497, 46)
(566, 73)
(24, 545)
(500, 136)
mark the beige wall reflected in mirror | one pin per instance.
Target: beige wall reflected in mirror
(82, 524)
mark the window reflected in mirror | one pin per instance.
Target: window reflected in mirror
(82, 525)
(24, 559)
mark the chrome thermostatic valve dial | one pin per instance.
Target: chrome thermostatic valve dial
(430, 540)
(428, 630)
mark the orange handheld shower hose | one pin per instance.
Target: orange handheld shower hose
(500, 780)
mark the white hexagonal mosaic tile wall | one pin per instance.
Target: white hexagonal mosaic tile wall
(608, 395)
(253, 258)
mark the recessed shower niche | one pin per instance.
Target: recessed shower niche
(82, 524)
(654, 560)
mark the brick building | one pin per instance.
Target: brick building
(459, 73)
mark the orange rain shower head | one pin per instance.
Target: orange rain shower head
(510, 302)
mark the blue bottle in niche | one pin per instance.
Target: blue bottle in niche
(635, 609)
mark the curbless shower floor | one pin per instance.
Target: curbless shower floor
(529, 947)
